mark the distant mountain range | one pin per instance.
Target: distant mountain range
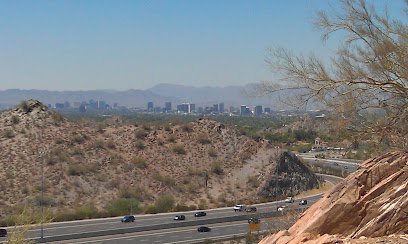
(159, 94)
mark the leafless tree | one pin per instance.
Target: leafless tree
(365, 82)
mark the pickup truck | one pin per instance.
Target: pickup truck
(239, 208)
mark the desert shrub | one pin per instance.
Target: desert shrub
(57, 118)
(140, 134)
(253, 181)
(203, 138)
(222, 198)
(212, 152)
(140, 145)
(151, 209)
(216, 168)
(164, 203)
(116, 159)
(181, 207)
(100, 128)
(100, 144)
(146, 127)
(171, 138)
(56, 155)
(187, 128)
(179, 149)
(24, 106)
(167, 128)
(77, 151)
(59, 141)
(86, 211)
(76, 169)
(193, 187)
(15, 119)
(46, 200)
(78, 138)
(139, 162)
(123, 206)
(160, 142)
(165, 179)
(110, 144)
(203, 204)
(8, 133)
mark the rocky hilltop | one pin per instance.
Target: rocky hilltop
(289, 177)
(370, 205)
(203, 163)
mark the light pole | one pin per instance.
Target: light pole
(42, 194)
(131, 200)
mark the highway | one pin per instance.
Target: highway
(179, 235)
(95, 225)
(348, 165)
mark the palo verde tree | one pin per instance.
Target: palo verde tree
(366, 81)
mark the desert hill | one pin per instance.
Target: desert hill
(203, 163)
(369, 206)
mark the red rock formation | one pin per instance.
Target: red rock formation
(371, 202)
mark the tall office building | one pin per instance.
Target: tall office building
(258, 110)
(167, 106)
(150, 107)
(215, 108)
(221, 107)
(243, 109)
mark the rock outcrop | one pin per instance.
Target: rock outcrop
(370, 203)
(289, 177)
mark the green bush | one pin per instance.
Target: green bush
(164, 203)
(123, 206)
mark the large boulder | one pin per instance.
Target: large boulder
(370, 203)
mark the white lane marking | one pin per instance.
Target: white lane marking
(160, 233)
(208, 238)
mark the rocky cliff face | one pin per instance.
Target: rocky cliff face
(289, 177)
(370, 203)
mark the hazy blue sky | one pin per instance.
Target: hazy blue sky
(82, 45)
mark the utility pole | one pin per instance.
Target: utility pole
(42, 195)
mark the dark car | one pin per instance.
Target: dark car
(203, 229)
(251, 209)
(128, 218)
(200, 214)
(3, 232)
(180, 217)
(303, 202)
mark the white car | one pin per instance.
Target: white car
(239, 207)
(280, 208)
(289, 200)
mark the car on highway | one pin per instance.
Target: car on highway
(3, 232)
(128, 218)
(203, 229)
(239, 207)
(180, 217)
(280, 208)
(200, 214)
(303, 202)
(254, 220)
(289, 200)
(250, 209)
